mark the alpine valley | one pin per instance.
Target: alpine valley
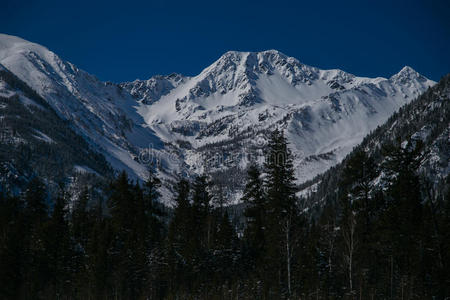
(215, 122)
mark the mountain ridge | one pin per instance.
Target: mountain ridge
(180, 123)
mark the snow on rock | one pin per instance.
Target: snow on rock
(212, 121)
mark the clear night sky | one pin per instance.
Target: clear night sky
(125, 40)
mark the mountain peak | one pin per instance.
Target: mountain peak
(256, 56)
(241, 53)
(12, 45)
(408, 74)
(408, 71)
(237, 97)
(7, 41)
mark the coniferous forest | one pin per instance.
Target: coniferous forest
(376, 226)
(224, 150)
(367, 244)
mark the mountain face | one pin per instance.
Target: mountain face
(217, 121)
(420, 128)
(36, 141)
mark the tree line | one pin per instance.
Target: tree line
(384, 235)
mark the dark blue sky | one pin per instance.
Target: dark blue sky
(125, 40)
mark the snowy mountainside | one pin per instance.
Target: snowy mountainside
(102, 112)
(34, 140)
(424, 123)
(225, 112)
(214, 121)
(151, 90)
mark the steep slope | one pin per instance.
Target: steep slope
(216, 121)
(151, 90)
(36, 141)
(102, 112)
(223, 114)
(425, 121)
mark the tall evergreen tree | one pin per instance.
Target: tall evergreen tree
(179, 231)
(128, 247)
(201, 208)
(152, 210)
(402, 218)
(35, 199)
(80, 218)
(281, 212)
(13, 259)
(59, 248)
(255, 209)
(37, 273)
(358, 204)
(179, 241)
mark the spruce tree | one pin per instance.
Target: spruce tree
(128, 246)
(152, 209)
(12, 246)
(402, 218)
(59, 248)
(281, 212)
(179, 231)
(35, 199)
(255, 208)
(80, 219)
(201, 208)
(179, 240)
(37, 273)
(356, 188)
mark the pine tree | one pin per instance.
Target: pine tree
(280, 179)
(80, 219)
(402, 218)
(99, 258)
(348, 226)
(356, 188)
(35, 202)
(37, 273)
(255, 208)
(128, 246)
(281, 211)
(179, 250)
(179, 231)
(358, 180)
(201, 208)
(59, 248)
(12, 246)
(122, 204)
(152, 209)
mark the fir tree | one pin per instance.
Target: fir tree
(402, 218)
(59, 248)
(80, 218)
(179, 246)
(179, 231)
(201, 206)
(255, 208)
(37, 273)
(13, 259)
(281, 212)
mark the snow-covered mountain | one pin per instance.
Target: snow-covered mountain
(421, 128)
(34, 140)
(216, 121)
(102, 112)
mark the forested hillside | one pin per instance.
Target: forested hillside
(35, 141)
(377, 227)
